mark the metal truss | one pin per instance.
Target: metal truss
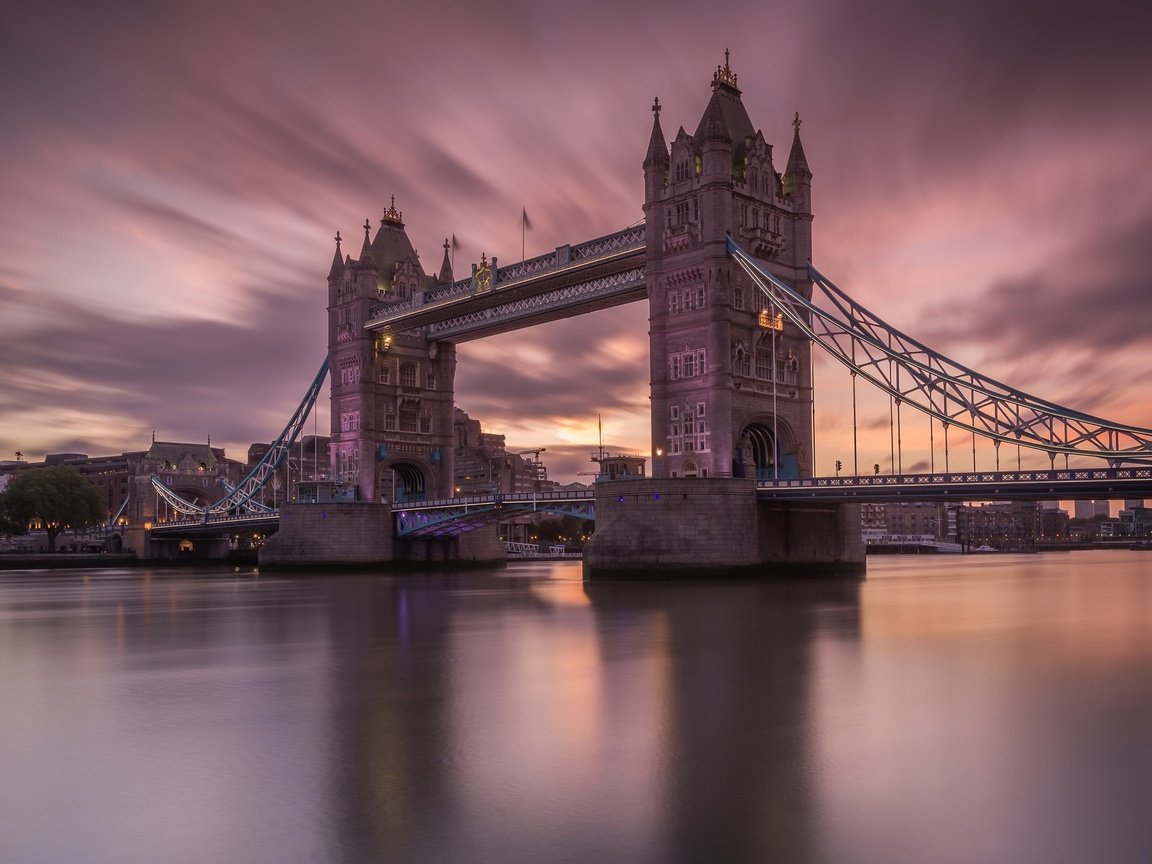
(915, 375)
(509, 314)
(531, 268)
(454, 516)
(242, 497)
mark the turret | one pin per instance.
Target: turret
(445, 276)
(656, 160)
(797, 176)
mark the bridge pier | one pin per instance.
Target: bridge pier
(714, 528)
(350, 535)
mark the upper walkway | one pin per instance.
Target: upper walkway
(571, 280)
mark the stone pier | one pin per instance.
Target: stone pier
(715, 528)
(343, 536)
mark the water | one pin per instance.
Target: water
(976, 709)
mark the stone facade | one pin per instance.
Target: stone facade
(391, 394)
(731, 391)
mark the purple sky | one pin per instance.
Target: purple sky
(172, 175)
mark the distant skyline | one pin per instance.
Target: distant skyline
(173, 176)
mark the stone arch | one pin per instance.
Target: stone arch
(765, 451)
(689, 468)
(403, 481)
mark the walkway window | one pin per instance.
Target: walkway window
(408, 420)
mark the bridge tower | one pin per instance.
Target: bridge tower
(391, 394)
(731, 383)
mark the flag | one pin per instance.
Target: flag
(524, 216)
(455, 245)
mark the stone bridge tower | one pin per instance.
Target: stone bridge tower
(731, 383)
(391, 394)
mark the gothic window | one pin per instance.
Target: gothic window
(349, 421)
(755, 180)
(426, 424)
(744, 215)
(408, 374)
(687, 364)
(763, 364)
(682, 170)
(674, 302)
(738, 292)
(348, 464)
(681, 212)
(389, 420)
(675, 436)
(743, 362)
(430, 380)
(699, 296)
(701, 428)
(695, 210)
(383, 373)
(349, 370)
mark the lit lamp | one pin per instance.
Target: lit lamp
(147, 526)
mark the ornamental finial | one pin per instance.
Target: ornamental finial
(724, 74)
(796, 122)
(337, 238)
(656, 107)
(393, 215)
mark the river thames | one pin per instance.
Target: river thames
(991, 708)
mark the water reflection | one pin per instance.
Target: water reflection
(944, 710)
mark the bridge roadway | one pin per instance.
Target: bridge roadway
(571, 280)
(452, 516)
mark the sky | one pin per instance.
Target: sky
(172, 175)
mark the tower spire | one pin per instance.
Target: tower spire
(797, 161)
(445, 275)
(657, 146)
(337, 261)
(366, 249)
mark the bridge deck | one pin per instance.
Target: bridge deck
(1064, 484)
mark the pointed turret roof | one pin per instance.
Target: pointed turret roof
(366, 249)
(797, 161)
(391, 244)
(657, 146)
(446, 266)
(725, 106)
(337, 267)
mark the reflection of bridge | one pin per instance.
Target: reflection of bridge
(723, 258)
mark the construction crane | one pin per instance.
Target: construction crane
(539, 472)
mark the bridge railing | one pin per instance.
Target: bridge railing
(1061, 475)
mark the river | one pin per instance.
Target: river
(991, 708)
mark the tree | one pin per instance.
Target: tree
(58, 497)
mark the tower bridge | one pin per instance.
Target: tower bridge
(735, 308)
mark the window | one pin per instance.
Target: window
(408, 374)
(682, 172)
(426, 424)
(349, 370)
(409, 420)
(349, 421)
(430, 380)
(682, 213)
(390, 420)
(687, 364)
(348, 464)
(383, 373)
(738, 293)
(743, 362)
(763, 364)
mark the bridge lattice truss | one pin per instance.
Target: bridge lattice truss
(454, 516)
(242, 498)
(915, 375)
